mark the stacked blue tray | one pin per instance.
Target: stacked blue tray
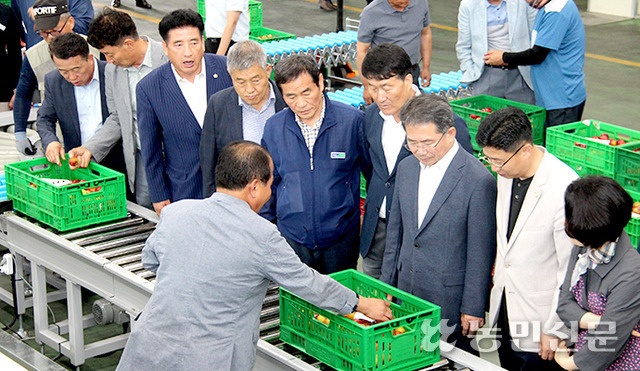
(331, 48)
(446, 84)
(3, 188)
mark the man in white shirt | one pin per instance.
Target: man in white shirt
(227, 23)
(441, 227)
(131, 57)
(75, 99)
(388, 69)
(172, 101)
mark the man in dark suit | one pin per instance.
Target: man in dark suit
(239, 112)
(388, 69)
(75, 98)
(172, 101)
(441, 238)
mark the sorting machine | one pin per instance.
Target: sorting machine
(106, 259)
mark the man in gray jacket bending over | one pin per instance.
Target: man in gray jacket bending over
(214, 259)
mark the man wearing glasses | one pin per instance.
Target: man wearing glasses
(441, 228)
(533, 249)
(52, 18)
(388, 70)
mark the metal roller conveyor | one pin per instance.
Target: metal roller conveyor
(270, 312)
(115, 234)
(109, 254)
(127, 259)
(133, 267)
(119, 242)
(269, 324)
(106, 259)
(128, 222)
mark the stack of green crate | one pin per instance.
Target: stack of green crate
(6, 2)
(582, 146)
(577, 144)
(202, 9)
(471, 110)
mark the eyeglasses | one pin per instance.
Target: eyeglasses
(490, 162)
(53, 32)
(412, 146)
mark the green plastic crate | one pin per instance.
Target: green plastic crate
(263, 35)
(67, 207)
(346, 345)
(472, 106)
(572, 144)
(628, 166)
(633, 228)
(255, 14)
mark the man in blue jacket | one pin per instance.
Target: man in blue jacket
(318, 151)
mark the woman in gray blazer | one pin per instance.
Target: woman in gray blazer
(600, 295)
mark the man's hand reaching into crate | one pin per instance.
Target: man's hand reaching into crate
(377, 309)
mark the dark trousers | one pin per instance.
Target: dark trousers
(211, 45)
(460, 341)
(514, 360)
(564, 115)
(337, 257)
(415, 71)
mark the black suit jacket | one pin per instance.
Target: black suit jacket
(222, 125)
(59, 106)
(381, 184)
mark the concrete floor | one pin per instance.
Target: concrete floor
(612, 70)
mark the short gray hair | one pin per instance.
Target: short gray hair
(245, 54)
(427, 109)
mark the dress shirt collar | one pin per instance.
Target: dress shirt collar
(147, 58)
(445, 161)
(271, 99)
(488, 4)
(96, 75)
(317, 124)
(181, 80)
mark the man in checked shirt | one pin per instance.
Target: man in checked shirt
(318, 151)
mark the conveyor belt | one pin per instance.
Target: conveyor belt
(106, 259)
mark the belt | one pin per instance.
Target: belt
(507, 67)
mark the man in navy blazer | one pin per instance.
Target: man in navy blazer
(388, 70)
(172, 101)
(239, 112)
(76, 100)
(441, 229)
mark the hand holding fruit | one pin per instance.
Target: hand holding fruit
(82, 156)
(377, 309)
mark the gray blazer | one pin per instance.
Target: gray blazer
(119, 124)
(448, 260)
(204, 313)
(615, 283)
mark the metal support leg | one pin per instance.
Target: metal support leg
(40, 317)
(76, 338)
(20, 292)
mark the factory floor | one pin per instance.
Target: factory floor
(612, 69)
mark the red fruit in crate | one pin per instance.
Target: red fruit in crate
(73, 161)
(613, 142)
(475, 117)
(636, 150)
(604, 136)
(621, 142)
(595, 137)
(487, 109)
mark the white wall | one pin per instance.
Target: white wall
(622, 8)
